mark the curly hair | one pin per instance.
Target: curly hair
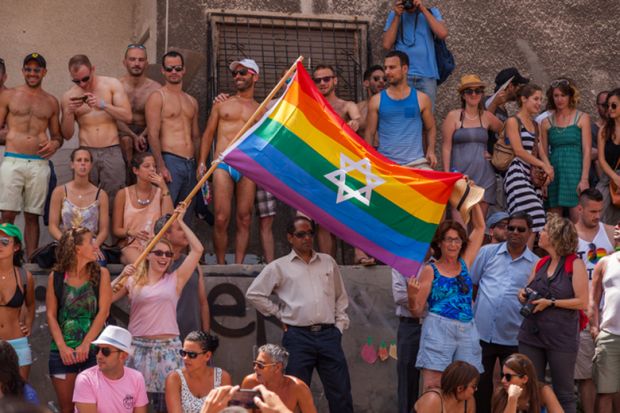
(562, 234)
(440, 233)
(140, 276)
(206, 341)
(523, 366)
(66, 258)
(11, 382)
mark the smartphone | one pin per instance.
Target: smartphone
(244, 398)
(82, 98)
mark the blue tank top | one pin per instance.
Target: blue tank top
(400, 128)
(448, 297)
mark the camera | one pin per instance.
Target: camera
(408, 4)
(528, 307)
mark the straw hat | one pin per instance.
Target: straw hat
(464, 196)
(470, 81)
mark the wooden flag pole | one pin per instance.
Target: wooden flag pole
(120, 280)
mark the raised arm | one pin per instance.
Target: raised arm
(475, 237)
(394, 17)
(438, 27)
(185, 270)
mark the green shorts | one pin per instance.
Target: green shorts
(605, 372)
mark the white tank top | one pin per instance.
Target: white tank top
(610, 317)
(592, 252)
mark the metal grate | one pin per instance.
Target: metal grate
(275, 42)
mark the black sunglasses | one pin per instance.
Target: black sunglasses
(560, 82)
(160, 253)
(241, 72)
(513, 228)
(82, 80)
(260, 365)
(613, 106)
(303, 234)
(509, 376)
(170, 69)
(463, 287)
(323, 79)
(478, 91)
(106, 351)
(190, 354)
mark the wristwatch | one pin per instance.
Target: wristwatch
(552, 302)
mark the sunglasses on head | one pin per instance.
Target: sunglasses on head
(33, 69)
(5, 241)
(160, 253)
(82, 80)
(170, 69)
(136, 46)
(324, 79)
(303, 234)
(509, 376)
(260, 365)
(190, 354)
(513, 228)
(106, 351)
(478, 91)
(560, 82)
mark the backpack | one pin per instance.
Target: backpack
(445, 60)
(59, 287)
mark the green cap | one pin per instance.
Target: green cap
(12, 231)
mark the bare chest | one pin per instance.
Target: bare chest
(177, 105)
(26, 106)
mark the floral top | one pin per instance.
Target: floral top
(451, 297)
(76, 313)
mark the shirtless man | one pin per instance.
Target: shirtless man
(138, 88)
(374, 82)
(227, 118)
(172, 119)
(269, 371)
(96, 103)
(29, 112)
(325, 78)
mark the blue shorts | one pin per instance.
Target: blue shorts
(445, 340)
(57, 367)
(234, 174)
(22, 348)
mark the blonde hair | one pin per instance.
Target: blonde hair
(142, 269)
(562, 234)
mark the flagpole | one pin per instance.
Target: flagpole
(120, 280)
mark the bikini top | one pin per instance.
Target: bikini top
(20, 295)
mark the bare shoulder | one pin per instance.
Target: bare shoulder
(249, 381)
(298, 384)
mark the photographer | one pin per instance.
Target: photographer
(409, 28)
(556, 291)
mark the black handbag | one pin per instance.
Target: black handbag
(45, 256)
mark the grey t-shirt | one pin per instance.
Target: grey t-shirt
(188, 307)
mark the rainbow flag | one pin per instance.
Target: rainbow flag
(308, 157)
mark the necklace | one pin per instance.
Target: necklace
(3, 276)
(143, 202)
(469, 117)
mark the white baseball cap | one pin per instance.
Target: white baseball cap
(116, 337)
(249, 63)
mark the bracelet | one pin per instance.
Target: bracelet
(165, 194)
(102, 104)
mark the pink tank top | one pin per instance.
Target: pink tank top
(139, 219)
(153, 308)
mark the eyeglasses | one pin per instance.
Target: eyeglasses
(470, 92)
(170, 69)
(378, 78)
(241, 72)
(260, 365)
(304, 234)
(160, 253)
(82, 80)
(613, 106)
(5, 241)
(324, 79)
(106, 351)
(560, 82)
(513, 228)
(190, 354)
(33, 69)
(136, 46)
(456, 241)
(509, 376)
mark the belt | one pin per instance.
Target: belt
(177, 156)
(315, 328)
(409, 320)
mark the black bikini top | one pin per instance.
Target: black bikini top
(19, 296)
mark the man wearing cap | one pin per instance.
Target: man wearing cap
(496, 226)
(497, 106)
(172, 128)
(138, 88)
(96, 103)
(499, 271)
(226, 119)
(29, 113)
(110, 387)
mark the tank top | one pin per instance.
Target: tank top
(191, 403)
(592, 252)
(554, 328)
(76, 313)
(72, 215)
(141, 219)
(400, 128)
(451, 297)
(153, 308)
(612, 153)
(610, 317)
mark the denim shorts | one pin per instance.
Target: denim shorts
(22, 348)
(445, 340)
(56, 365)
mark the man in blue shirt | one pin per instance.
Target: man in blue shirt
(409, 28)
(500, 270)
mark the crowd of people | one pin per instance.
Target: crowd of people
(524, 292)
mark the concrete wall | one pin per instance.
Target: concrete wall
(242, 329)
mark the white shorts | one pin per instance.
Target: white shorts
(23, 183)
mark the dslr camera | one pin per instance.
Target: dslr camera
(528, 307)
(408, 4)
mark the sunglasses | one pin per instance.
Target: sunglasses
(82, 80)
(560, 82)
(241, 72)
(170, 69)
(190, 354)
(324, 79)
(106, 351)
(5, 241)
(136, 46)
(613, 106)
(260, 365)
(512, 228)
(509, 376)
(160, 253)
(462, 284)
(33, 69)
(304, 234)
(378, 78)
(470, 92)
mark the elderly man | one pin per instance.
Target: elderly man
(269, 371)
(110, 387)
